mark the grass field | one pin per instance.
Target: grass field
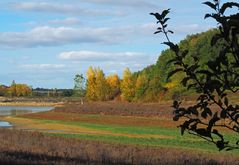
(110, 132)
(160, 132)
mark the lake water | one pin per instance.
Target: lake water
(19, 110)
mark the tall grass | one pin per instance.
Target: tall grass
(23, 147)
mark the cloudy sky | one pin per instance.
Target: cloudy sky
(44, 43)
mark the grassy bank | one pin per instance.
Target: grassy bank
(166, 135)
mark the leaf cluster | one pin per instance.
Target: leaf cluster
(213, 108)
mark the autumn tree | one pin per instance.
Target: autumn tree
(91, 84)
(3, 90)
(102, 88)
(213, 109)
(12, 90)
(97, 87)
(19, 90)
(127, 86)
(114, 85)
(141, 86)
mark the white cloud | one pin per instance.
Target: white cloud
(55, 36)
(127, 3)
(60, 8)
(50, 36)
(66, 21)
(190, 29)
(43, 66)
(109, 61)
(103, 56)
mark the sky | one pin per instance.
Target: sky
(45, 43)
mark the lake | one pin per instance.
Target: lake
(20, 110)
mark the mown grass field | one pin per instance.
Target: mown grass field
(157, 132)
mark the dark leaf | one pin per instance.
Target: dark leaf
(185, 80)
(223, 114)
(204, 114)
(165, 13)
(192, 85)
(208, 111)
(229, 149)
(223, 95)
(226, 102)
(174, 72)
(194, 127)
(176, 118)
(212, 122)
(176, 104)
(236, 128)
(172, 46)
(236, 117)
(184, 126)
(203, 132)
(171, 61)
(165, 20)
(182, 130)
(164, 26)
(218, 134)
(157, 16)
(237, 143)
(159, 31)
(220, 145)
(207, 15)
(184, 53)
(215, 38)
(228, 5)
(170, 31)
(210, 4)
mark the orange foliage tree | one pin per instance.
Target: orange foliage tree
(114, 85)
(19, 90)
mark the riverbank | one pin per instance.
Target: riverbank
(31, 102)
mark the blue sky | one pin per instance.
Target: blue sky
(44, 43)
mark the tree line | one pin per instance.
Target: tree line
(152, 83)
(15, 90)
(132, 86)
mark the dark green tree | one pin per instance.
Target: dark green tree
(213, 108)
(79, 87)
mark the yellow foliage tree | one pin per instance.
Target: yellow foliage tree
(90, 84)
(114, 84)
(97, 87)
(19, 90)
(102, 88)
(141, 85)
(127, 86)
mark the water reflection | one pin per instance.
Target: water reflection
(19, 110)
(5, 124)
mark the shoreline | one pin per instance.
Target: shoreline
(45, 104)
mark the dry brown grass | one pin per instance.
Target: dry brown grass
(104, 119)
(118, 108)
(22, 147)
